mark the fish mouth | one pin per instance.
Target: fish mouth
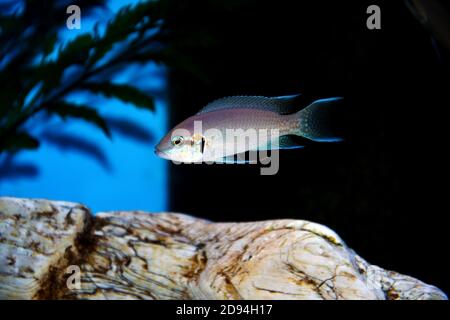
(161, 154)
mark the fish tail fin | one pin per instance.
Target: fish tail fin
(315, 121)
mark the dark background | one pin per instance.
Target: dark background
(384, 189)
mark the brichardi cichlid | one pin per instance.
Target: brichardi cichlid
(234, 125)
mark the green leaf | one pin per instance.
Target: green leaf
(49, 43)
(102, 48)
(65, 109)
(18, 140)
(128, 20)
(123, 92)
(77, 50)
(9, 23)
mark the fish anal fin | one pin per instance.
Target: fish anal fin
(288, 142)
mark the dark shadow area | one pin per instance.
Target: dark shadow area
(379, 189)
(130, 129)
(11, 169)
(70, 142)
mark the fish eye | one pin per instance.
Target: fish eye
(176, 141)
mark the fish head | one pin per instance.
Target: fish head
(181, 144)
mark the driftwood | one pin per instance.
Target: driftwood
(58, 250)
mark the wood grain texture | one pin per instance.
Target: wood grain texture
(136, 255)
(37, 238)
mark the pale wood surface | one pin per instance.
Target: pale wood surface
(136, 255)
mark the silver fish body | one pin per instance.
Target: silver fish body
(235, 125)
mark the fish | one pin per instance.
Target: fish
(227, 128)
(434, 17)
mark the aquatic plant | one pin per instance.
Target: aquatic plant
(38, 70)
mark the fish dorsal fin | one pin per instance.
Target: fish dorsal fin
(280, 105)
